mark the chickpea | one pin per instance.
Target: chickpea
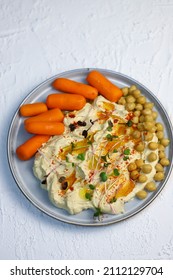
(159, 167)
(141, 194)
(146, 168)
(132, 166)
(134, 175)
(164, 161)
(136, 134)
(132, 88)
(136, 93)
(128, 130)
(141, 118)
(165, 142)
(122, 101)
(159, 134)
(140, 147)
(142, 178)
(161, 147)
(152, 157)
(150, 186)
(159, 127)
(130, 106)
(153, 145)
(135, 119)
(154, 115)
(159, 176)
(153, 129)
(148, 105)
(130, 99)
(148, 118)
(148, 125)
(139, 162)
(146, 112)
(137, 113)
(148, 136)
(140, 126)
(139, 107)
(161, 154)
(141, 100)
(125, 91)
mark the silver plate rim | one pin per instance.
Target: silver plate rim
(66, 220)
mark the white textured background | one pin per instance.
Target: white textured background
(41, 38)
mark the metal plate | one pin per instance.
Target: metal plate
(29, 185)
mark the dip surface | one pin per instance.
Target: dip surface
(86, 167)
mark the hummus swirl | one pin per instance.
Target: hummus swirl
(86, 167)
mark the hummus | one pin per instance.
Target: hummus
(86, 167)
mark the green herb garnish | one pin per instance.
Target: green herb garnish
(72, 146)
(125, 158)
(104, 158)
(116, 172)
(92, 187)
(88, 196)
(109, 137)
(106, 164)
(98, 212)
(103, 177)
(109, 128)
(127, 152)
(66, 158)
(129, 123)
(115, 151)
(113, 200)
(81, 156)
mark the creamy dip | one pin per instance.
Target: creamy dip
(86, 167)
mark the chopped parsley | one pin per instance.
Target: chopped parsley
(127, 152)
(66, 158)
(88, 196)
(106, 164)
(113, 200)
(129, 123)
(115, 151)
(72, 145)
(81, 156)
(110, 137)
(92, 187)
(109, 128)
(125, 158)
(116, 172)
(103, 177)
(104, 158)
(98, 212)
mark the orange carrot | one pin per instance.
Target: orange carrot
(30, 147)
(104, 86)
(46, 128)
(70, 86)
(50, 116)
(65, 101)
(29, 110)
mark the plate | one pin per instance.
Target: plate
(29, 185)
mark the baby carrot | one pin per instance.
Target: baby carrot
(50, 116)
(46, 128)
(30, 147)
(70, 86)
(29, 110)
(65, 101)
(104, 86)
